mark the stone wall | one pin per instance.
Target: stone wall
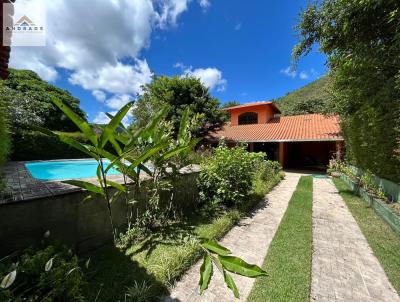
(82, 225)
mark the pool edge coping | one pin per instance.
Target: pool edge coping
(26, 188)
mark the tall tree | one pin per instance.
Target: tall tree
(29, 100)
(178, 93)
(361, 39)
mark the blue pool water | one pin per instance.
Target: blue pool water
(48, 170)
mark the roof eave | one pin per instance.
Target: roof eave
(281, 140)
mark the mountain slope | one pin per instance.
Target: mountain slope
(312, 98)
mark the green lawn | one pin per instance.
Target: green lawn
(384, 242)
(164, 255)
(288, 261)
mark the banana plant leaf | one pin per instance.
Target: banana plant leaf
(78, 121)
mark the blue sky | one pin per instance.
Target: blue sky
(240, 49)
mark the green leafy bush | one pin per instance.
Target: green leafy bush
(268, 174)
(32, 145)
(4, 136)
(365, 179)
(50, 274)
(226, 177)
(4, 140)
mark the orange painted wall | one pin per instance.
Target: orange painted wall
(265, 113)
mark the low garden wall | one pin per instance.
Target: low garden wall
(389, 187)
(378, 205)
(82, 225)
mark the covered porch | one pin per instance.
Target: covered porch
(299, 154)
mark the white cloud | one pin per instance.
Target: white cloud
(288, 71)
(238, 26)
(170, 10)
(102, 118)
(303, 75)
(180, 65)
(89, 38)
(118, 101)
(118, 78)
(211, 77)
(99, 95)
(204, 4)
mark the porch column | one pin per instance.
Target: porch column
(251, 147)
(339, 150)
(282, 154)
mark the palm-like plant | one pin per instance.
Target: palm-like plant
(149, 141)
(132, 151)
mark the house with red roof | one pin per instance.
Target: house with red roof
(300, 141)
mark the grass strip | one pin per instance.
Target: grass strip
(384, 242)
(166, 254)
(288, 261)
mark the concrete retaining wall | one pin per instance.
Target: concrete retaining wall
(378, 205)
(389, 187)
(82, 225)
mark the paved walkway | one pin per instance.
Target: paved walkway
(249, 240)
(344, 267)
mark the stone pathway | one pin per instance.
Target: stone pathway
(344, 267)
(249, 240)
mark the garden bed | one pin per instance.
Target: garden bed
(165, 255)
(386, 212)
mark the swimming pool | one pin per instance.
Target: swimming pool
(67, 169)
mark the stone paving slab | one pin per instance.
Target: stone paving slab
(344, 267)
(249, 240)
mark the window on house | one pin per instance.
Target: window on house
(248, 118)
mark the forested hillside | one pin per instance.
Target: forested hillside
(29, 103)
(312, 98)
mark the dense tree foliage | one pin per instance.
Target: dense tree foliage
(312, 98)
(361, 39)
(4, 135)
(29, 103)
(179, 94)
(230, 104)
(227, 116)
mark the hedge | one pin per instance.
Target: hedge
(4, 135)
(33, 145)
(372, 138)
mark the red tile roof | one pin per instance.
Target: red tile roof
(308, 127)
(252, 105)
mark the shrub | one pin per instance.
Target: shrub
(196, 156)
(50, 274)
(268, 174)
(4, 142)
(4, 136)
(31, 145)
(226, 177)
(335, 165)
